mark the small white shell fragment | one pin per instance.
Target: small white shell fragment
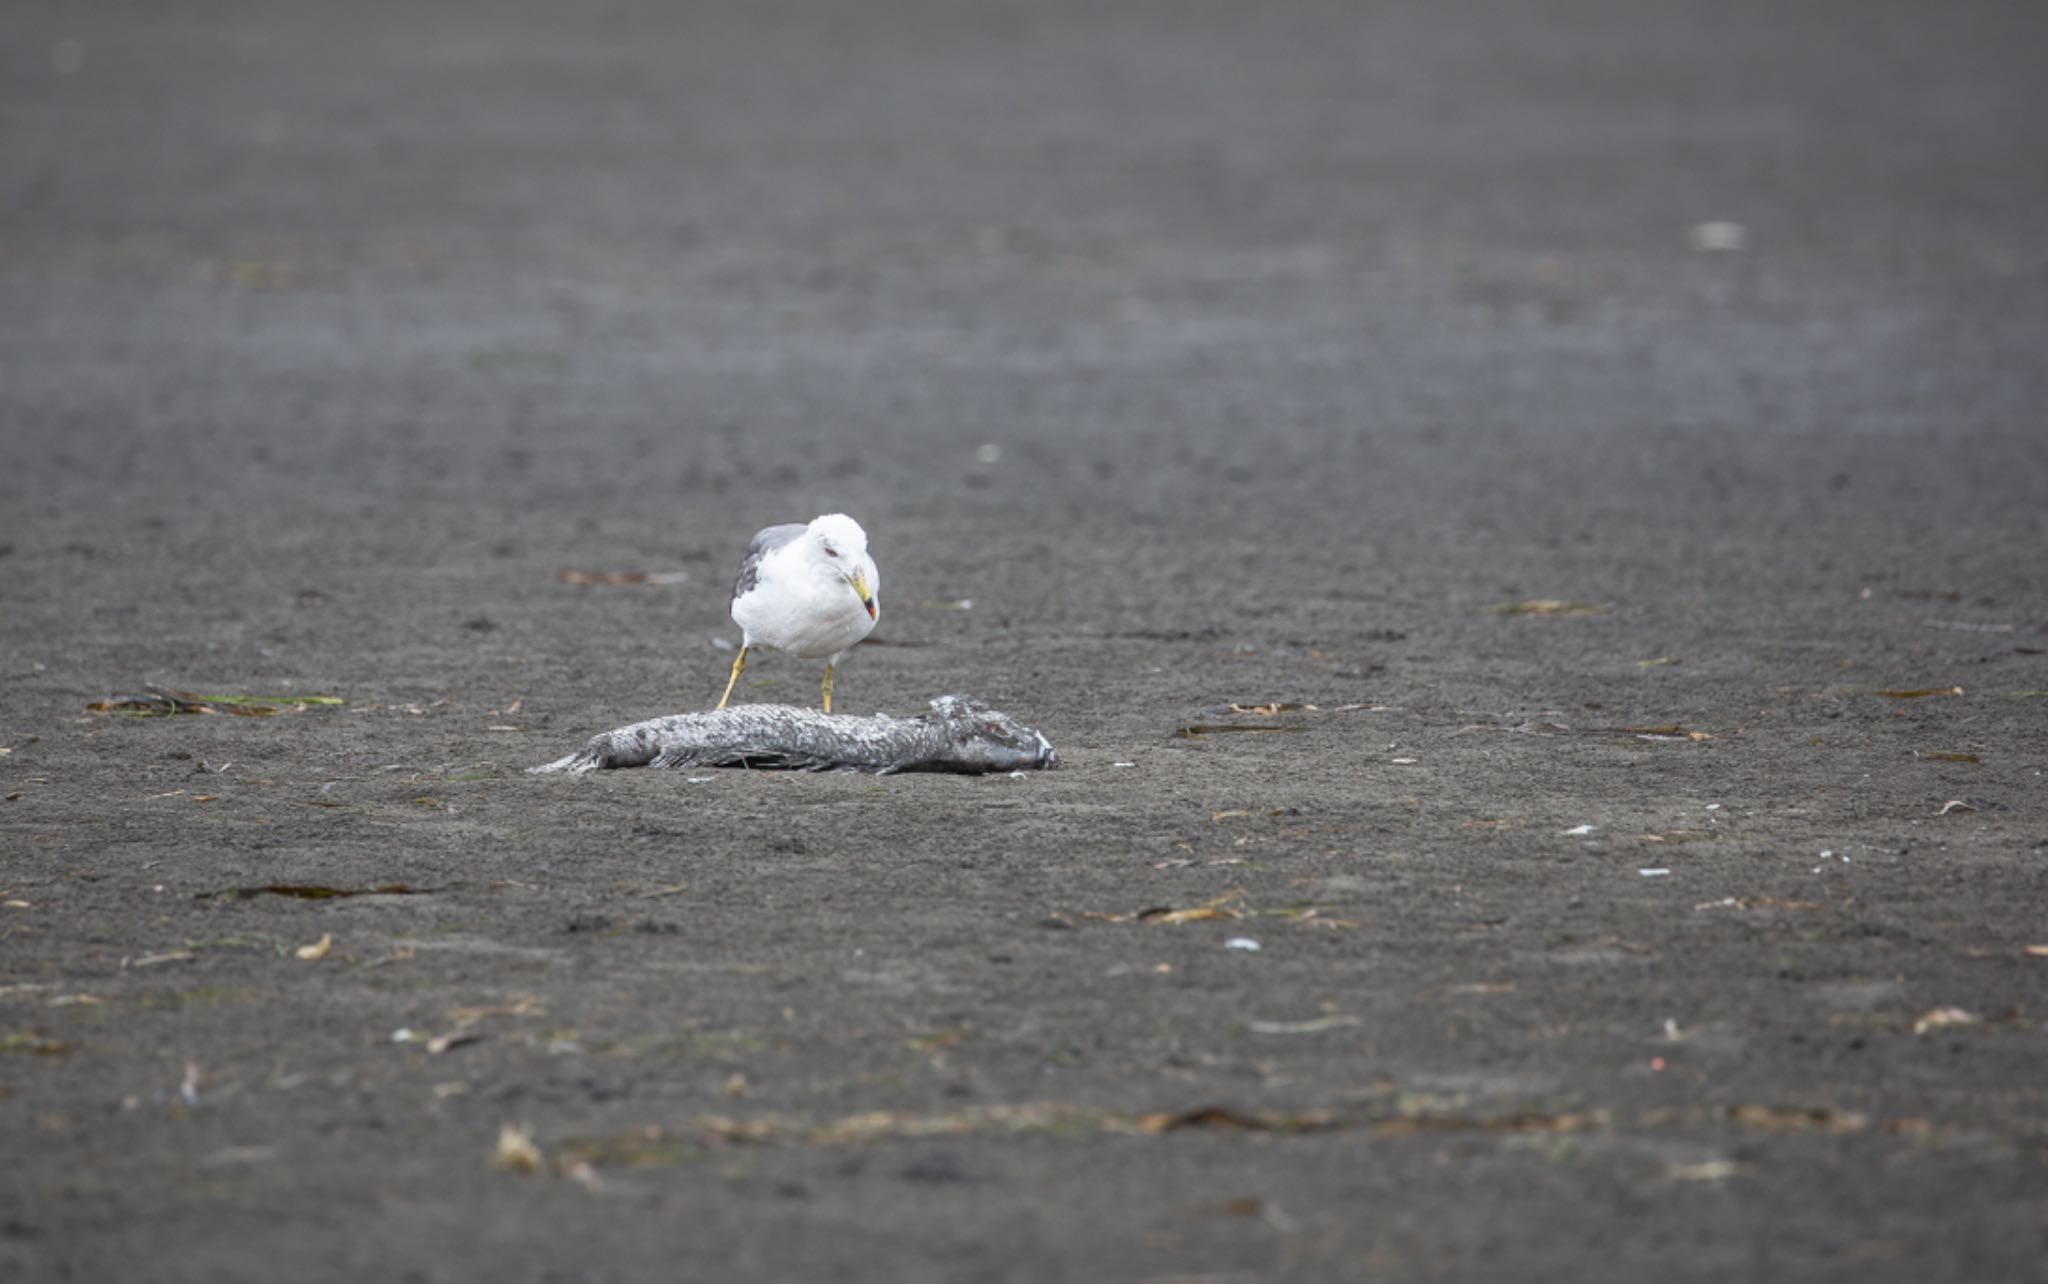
(1578, 831)
(1653, 873)
(1240, 943)
(1940, 1017)
(1719, 236)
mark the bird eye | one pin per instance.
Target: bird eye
(831, 551)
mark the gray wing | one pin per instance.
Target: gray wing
(765, 542)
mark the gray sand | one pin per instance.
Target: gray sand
(1307, 338)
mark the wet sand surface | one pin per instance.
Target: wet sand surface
(1687, 924)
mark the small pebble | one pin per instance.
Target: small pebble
(1719, 236)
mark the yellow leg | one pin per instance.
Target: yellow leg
(828, 686)
(739, 666)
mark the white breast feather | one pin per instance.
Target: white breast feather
(806, 610)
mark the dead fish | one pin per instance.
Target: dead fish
(959, 734)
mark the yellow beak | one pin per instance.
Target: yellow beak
(859, 580)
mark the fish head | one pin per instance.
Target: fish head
(986, 739)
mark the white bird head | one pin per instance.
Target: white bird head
(843, 546)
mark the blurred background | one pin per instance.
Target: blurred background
(1457, 287)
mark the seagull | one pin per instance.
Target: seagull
(808, 590)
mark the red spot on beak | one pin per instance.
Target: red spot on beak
(870, 604)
